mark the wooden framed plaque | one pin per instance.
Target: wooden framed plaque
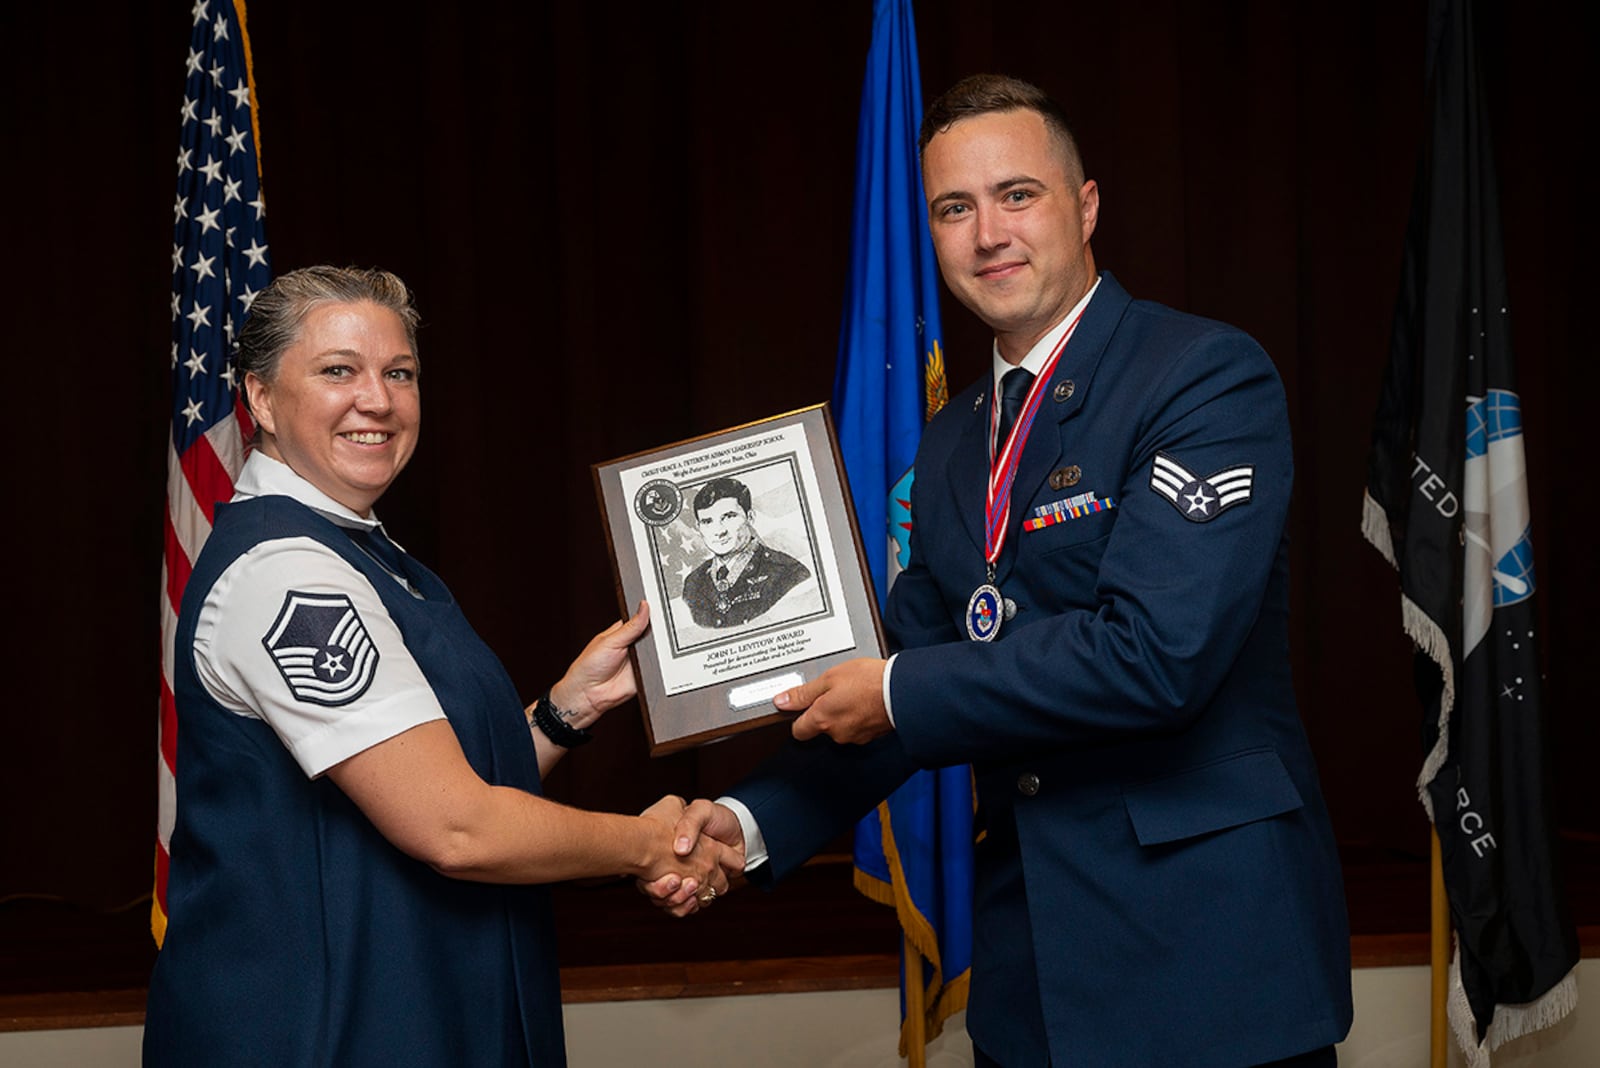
(744, 542)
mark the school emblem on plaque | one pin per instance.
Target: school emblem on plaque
(658, 502)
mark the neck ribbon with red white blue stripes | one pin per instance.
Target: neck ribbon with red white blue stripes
(1003, 467)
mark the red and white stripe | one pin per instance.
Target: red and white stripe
(196, 481)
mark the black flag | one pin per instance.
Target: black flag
(1447, 504)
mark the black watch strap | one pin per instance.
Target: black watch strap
(548, 719)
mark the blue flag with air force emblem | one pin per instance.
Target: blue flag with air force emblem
(1197, 499)
(322, 648)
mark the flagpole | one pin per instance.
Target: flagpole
(915, 1036)
(1439, 953)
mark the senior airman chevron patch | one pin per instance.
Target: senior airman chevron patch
(1197, 499)
(322, 648)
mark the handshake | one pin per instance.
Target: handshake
(704, 848)
(703, 851)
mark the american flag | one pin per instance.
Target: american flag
(219, 264)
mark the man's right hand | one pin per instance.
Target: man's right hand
(700, 818)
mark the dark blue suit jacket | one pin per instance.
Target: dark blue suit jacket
(1157, 880)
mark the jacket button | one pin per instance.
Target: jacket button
(1028, 784)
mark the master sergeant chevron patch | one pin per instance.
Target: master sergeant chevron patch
(322, 648)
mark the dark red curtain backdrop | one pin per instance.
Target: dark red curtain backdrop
(628, 224)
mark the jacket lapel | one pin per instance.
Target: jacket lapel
(969, 468)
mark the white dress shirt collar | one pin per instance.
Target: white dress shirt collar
(263, 476)
(1034, 361)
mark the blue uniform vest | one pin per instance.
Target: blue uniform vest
(298, 935)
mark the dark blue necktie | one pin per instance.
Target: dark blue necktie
(1014, 388)
(380, 548)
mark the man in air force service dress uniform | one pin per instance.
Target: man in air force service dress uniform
(1095, 617)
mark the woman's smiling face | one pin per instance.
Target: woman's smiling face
(343, 409)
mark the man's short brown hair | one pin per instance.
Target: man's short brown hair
(982, 94)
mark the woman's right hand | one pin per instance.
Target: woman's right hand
(692, 880)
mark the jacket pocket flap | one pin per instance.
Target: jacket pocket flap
(1237, 790)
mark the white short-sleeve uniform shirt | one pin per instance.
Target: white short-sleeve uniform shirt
(238, 671)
